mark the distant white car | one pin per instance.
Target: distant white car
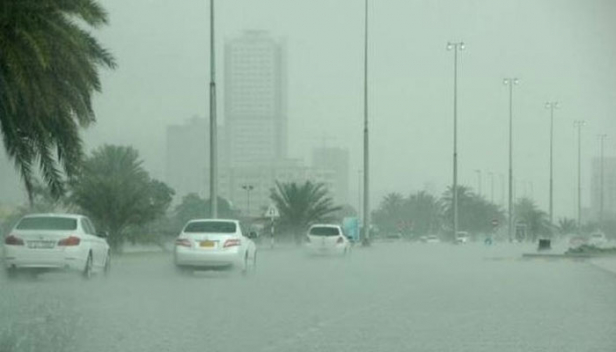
(432, 239)
(214, 244)
(597, 239)
(462, 237)
(49, 242)
(323, 239)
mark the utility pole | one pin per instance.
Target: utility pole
(579, 124)
(551, 105)
(366, 239)
(456, 47)
(213, 124)
(491, 187)
(478, 182)
(248, 188)
(601, 180)
(510, 82)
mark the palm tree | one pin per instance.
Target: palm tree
(116, 191)
(48, 72)
(567, 226)
(301, 205)
(536, 221)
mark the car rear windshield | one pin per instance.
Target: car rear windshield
(47, 223)
(211, 227)
(324, 231)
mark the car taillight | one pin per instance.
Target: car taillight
(184, 242)
(231, 243)
(340, 240)
(13, 241)
(69, 241)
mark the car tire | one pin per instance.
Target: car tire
(87, 270)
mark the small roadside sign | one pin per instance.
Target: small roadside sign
(272, 212)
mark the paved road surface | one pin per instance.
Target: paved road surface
(406, 297)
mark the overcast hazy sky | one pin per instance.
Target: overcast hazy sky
(561, 50)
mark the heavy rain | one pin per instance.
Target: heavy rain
(283, 175)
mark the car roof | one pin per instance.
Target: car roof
(58, 215)
(325, 225)
(213, 220)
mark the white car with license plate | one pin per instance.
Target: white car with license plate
(323, 239)
(214, 244)
(51, 242)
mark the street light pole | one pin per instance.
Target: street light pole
(456, 47)
(579, 124)
(213, 125)
(601, 180)
(551, 105)
(478, 182)
(510, 82)
(492, 187)
(366, 239)
(248, 188)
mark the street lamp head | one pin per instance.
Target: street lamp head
(516, 81)
(462, 46)
(449, 46)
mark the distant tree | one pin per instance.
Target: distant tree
(49, 65)
(418, 214)
(301, 205)
(536, 221)
(475, 213)
(114, 189)
(567, 226)
(195, 207)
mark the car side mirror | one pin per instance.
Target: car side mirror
(102, 234)
(252, 235)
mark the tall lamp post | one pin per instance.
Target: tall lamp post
(491, 187)
(366, 239)
(248, 188)
(478, 182)
(601, 180)
(578, 124)
(456, 47)
(551, 105)
(510, 82)
(213, 126)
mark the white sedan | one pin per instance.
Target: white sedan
(49, 242)
(214, 244)
(327, 239)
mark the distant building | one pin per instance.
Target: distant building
(609, 187)
(188, 157)
(255, 99)
(336, 160)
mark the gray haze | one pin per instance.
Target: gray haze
(560, 49)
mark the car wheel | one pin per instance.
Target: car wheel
(107, 268)
(87, 270)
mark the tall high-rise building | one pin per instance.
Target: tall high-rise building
(255, 99)
(336, 160)
(609, 187)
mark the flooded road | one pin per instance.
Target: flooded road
(391, 297)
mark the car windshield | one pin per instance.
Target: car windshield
(211, 227)
(50, 223)
(325, 231)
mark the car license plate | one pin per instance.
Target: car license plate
(208, 244)
(41, 244)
